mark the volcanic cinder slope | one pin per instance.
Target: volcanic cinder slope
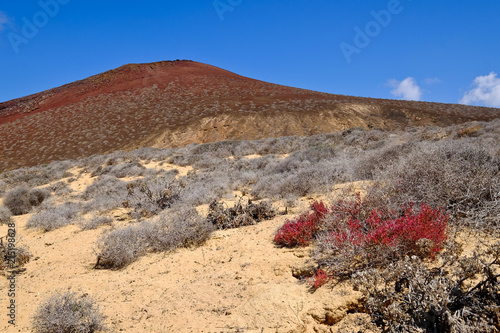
(174, 103)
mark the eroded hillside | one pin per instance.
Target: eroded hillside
(173, 103)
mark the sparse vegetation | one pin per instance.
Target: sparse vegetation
(150, 196)
(54, 217)
(170, 230)
(105, 193)
(223, 217)
(462, 177)
(21, 199)
(460, 295)
(68, 312)
(402, 256)
(5, 215)
(96, 222)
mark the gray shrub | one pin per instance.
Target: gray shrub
(96, 222)
(65, 312)
(21, 199)
(5, 215)
(51, 218)
(171, 229)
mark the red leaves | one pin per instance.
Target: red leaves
(295, 233)
(354, 224)
(301, 231)
(320, 278)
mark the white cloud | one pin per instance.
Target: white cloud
(4, 20)
(485, 91)
(407, 89)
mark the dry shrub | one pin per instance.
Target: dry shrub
(96, 222)
(470, 131)
(65, 312)
(61, 188)
(149, 197)
(37, 196)
(462, 177)
(461, 295)
(121, 247)
(106, 192)
(122, 170)
(5, 215)
(239, 215)
(54, 217)
(170, 230)
(21, 199)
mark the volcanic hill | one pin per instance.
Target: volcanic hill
(174, 103)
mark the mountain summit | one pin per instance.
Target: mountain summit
(174, 103)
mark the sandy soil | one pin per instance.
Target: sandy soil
(239, 281)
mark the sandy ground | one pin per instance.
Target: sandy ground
(239, 281)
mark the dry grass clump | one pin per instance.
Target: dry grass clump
(65, 312)
(106, 192)
(150, 196)
(122, 170)
(96, 222)
(21, 199)
(470, 131)
(54, 217)
(5, 215)
(224, 217)
(460, 295)
(171, 229)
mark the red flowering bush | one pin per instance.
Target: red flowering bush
(405, 234)
(319, 278)
(300, 231)
(353, 235)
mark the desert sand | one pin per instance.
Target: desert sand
(238, 281)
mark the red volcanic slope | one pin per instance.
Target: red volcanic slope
(171, 103)
(126, 78)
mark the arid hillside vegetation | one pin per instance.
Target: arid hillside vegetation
(359, 230)
(174, 103)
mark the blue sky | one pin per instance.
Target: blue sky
(422, 49)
